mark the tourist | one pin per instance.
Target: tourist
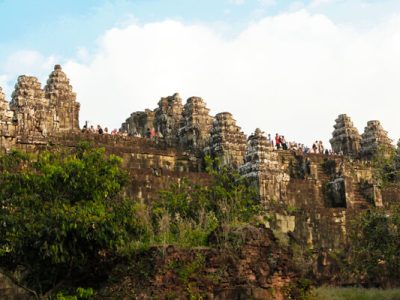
(99, 129)
(315, 147)
(320, 147)
(153, 133)
(148, 133)
(277, 141)
(106, 130)
(283, 143)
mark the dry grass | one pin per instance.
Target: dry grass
(331, 293)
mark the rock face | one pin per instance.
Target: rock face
(167, 118)
(346, 138)
(62, 98)
(374, 138)
(262, 167)
(228, 142)
(259, 269)
(195, 127)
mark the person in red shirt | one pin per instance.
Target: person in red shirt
(277, 141)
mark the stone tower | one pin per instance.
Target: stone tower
(31, 109)
(62, 98)
(374, 138)
(4, 106)
(263, 169)
(345, 138)
(196, 123)
(7, 127)
(228, 142)
(167, 118)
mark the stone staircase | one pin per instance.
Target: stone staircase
(359, 201)
(321, 175)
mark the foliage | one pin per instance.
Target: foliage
(187, 213)
(79, 294)
(64, 218)
(386, 165)
(62, 215)
(375, 247)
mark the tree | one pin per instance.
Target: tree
(375, 247)
(62, 215)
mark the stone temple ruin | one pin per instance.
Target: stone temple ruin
(323, 192)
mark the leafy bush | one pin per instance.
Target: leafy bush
(375, 247)
(62, 215)
(187, 213)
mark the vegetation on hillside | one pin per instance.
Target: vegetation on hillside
(65, 220)
(375, 247)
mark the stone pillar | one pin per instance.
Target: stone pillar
(373, 139)
(262, 167)
(62, 98)
(195, 127)
(228, 142)
(345, 137)
(167, 118)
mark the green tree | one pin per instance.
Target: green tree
(62, 215)
(375, 247)
(386, 165)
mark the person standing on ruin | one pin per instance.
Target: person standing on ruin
(277, 141)
(283, 142)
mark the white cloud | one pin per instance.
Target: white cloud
(292, 74)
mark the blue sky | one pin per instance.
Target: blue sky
(61, 27)
(309, 60)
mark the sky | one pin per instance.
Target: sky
(288, 67)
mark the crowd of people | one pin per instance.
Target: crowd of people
(150, 132)
(99, 130)
(280, 143)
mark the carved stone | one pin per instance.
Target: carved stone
(262, 167)
(167, 118)
(228, 142)
(62, 98)
(139, 122)
(196, 123)
(346, 138)
(31, 108)
(373, 139)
